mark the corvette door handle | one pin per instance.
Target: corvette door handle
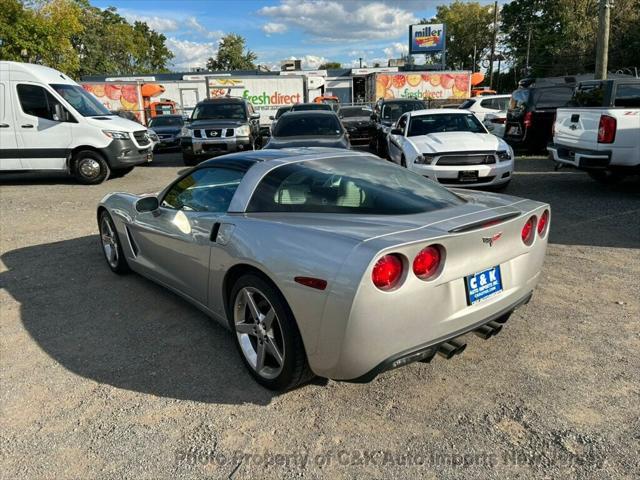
(28, 125)
(4, 125)
(214, 231)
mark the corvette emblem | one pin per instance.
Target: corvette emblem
(492, 239)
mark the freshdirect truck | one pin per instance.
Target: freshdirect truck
(265, 92)
(432, 85)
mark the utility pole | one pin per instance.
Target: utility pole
(602, 52)
(528, 49)
(360, 58)
(493, 42)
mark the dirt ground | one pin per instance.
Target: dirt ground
(114, 377)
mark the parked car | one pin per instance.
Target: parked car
(330, 262)
(309, 129)
(218, 126)
(495, 122)
(531, 114)
(484, 104)
(451, 147)
(386, 113)
(299, 107)
(279, 113)
(168, 128)
(601, 134)
(49, 122)
(357, 121)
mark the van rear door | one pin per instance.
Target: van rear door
(9, 153)
(43, 140)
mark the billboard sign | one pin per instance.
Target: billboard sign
(426, 38)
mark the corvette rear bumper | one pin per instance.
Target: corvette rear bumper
(428, 350)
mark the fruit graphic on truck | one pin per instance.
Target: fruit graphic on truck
(420, 85)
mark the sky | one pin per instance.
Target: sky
(314, 31)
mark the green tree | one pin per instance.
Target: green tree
(41, 34)
(330, 65)
(564, 32)
(469, 26)
(232, 56)
(79, 39)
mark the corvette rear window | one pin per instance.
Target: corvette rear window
(361, 185)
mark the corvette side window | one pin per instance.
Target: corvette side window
(205, 190)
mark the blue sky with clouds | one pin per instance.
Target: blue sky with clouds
(311, 30)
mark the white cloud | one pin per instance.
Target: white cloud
(190, 54)
(273, 27)
(330, 20)
(310, 62)
(396, 50)
(192, 22)
(159, 24)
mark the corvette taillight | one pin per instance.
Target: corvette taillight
(542, 223)
(528, 231)
(427, 262)
(607, 129)
(387, 271)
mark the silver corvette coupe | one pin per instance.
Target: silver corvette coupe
(330, 262)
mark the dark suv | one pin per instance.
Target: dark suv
(386, 113)
(531, 114)
(218, 126)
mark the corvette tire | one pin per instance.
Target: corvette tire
(266, 335)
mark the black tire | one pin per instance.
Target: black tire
(189, 160)
(117, 263)
(120, 172)
(605, 177)
(294, 369)
(89, 167)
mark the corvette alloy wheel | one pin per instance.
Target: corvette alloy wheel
(259, 332)
(109, 241)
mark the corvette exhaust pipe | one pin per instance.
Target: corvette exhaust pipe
(488, 330)
(451, 348)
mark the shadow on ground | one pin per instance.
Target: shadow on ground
(124, 331)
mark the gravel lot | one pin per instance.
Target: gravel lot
(113, 377)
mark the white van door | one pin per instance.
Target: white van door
(45, 142)
(9, 153)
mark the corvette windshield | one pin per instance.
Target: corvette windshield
(359, 185)
(444, 122)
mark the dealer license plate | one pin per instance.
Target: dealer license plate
(483, 284)
(468, 176)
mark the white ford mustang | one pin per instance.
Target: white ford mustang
(452, 147)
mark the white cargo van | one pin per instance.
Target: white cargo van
(49, 122)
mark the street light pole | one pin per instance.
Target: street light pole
(493, 42)
(602, 52)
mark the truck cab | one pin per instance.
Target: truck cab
(49, 122)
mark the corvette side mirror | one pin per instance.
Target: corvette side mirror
(147, 204)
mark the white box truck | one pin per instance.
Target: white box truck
(433, 85)
(266, 93)
(49, 122)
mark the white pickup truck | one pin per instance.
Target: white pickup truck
(601, 134)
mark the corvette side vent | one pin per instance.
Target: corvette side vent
(132, 242)
(484, 223)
